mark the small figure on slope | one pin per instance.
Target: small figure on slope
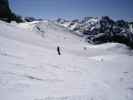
(58, 50)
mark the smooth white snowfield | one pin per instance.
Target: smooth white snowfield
(31, 69)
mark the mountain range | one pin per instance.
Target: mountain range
(101, 30)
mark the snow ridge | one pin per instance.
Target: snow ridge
(31, 69)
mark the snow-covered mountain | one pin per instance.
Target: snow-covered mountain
(79, 25)
(101, 30)
(31, 69)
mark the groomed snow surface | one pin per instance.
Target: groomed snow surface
(31, 69)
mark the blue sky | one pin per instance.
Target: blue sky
(70, 9)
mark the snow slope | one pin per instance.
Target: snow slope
(31, 69)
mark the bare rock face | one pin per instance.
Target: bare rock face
(5, 12)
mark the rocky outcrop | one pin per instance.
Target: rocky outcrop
(111, 31)
(6, 14)
(102, 30)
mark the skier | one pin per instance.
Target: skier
(58, 50)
